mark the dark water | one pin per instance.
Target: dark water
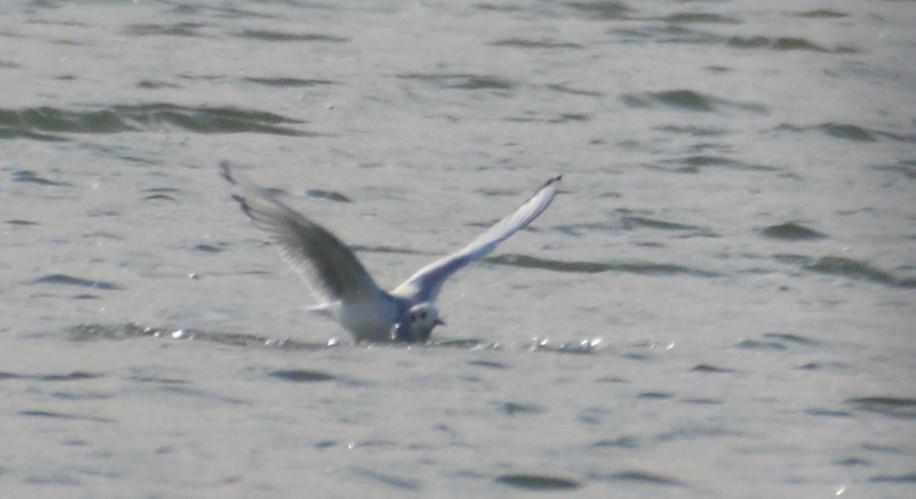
(718, 304)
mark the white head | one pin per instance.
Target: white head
(417, 323)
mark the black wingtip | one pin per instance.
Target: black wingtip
(554, 180)
(225, 171)
(243, 204)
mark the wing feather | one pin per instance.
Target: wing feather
(426, 283)
(329, 268)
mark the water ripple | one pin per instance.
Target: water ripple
(698, 17)
(688, 100)
(74, 376)
(38, 122)
(631, 222)
(303, 376)
(900, 407)
(61, 415)
(822, 14)
(526, 481)
(536, 44)
(855, 269)
(791, 231)
(186, 29)
(696, 162)
(851, 132)
(69, 280)
(130, 330)
(21, 222)
(582, 267)
(201, 394)
(907, 167)
(278, 36)
(904, 478)
(602, 10)
(488, 364)
(645, 477)
(461, 81)
(849, 268)
(622, 442)
(290, 82)
(848, 132)
(783, 44)
(707, 368)
(329, 195)
(28, 176)
(388, 479)
(513, 408)
(776, 341)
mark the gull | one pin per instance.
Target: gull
(340, 281)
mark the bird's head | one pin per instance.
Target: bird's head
(417, 323)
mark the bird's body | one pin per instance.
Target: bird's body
(372, 319)
(344, 287)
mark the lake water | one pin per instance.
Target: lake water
(719, 303)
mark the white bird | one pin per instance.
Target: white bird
(338, 279)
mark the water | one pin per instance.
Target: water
(718, 304)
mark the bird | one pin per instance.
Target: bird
(343, 286)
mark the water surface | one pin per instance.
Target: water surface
(718, 304)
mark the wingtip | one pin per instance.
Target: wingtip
(243, 204)
(554, 180)
(225, 171)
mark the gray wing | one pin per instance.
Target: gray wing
(427, 282)
(331, 271)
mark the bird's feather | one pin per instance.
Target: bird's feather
(328, 266)
(425, 284)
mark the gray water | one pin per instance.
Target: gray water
(719, 303)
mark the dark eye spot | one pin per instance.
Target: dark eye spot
(423, 314)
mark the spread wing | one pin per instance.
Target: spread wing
(331, 271)
(427, 282)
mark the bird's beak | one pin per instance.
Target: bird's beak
(438, 322)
